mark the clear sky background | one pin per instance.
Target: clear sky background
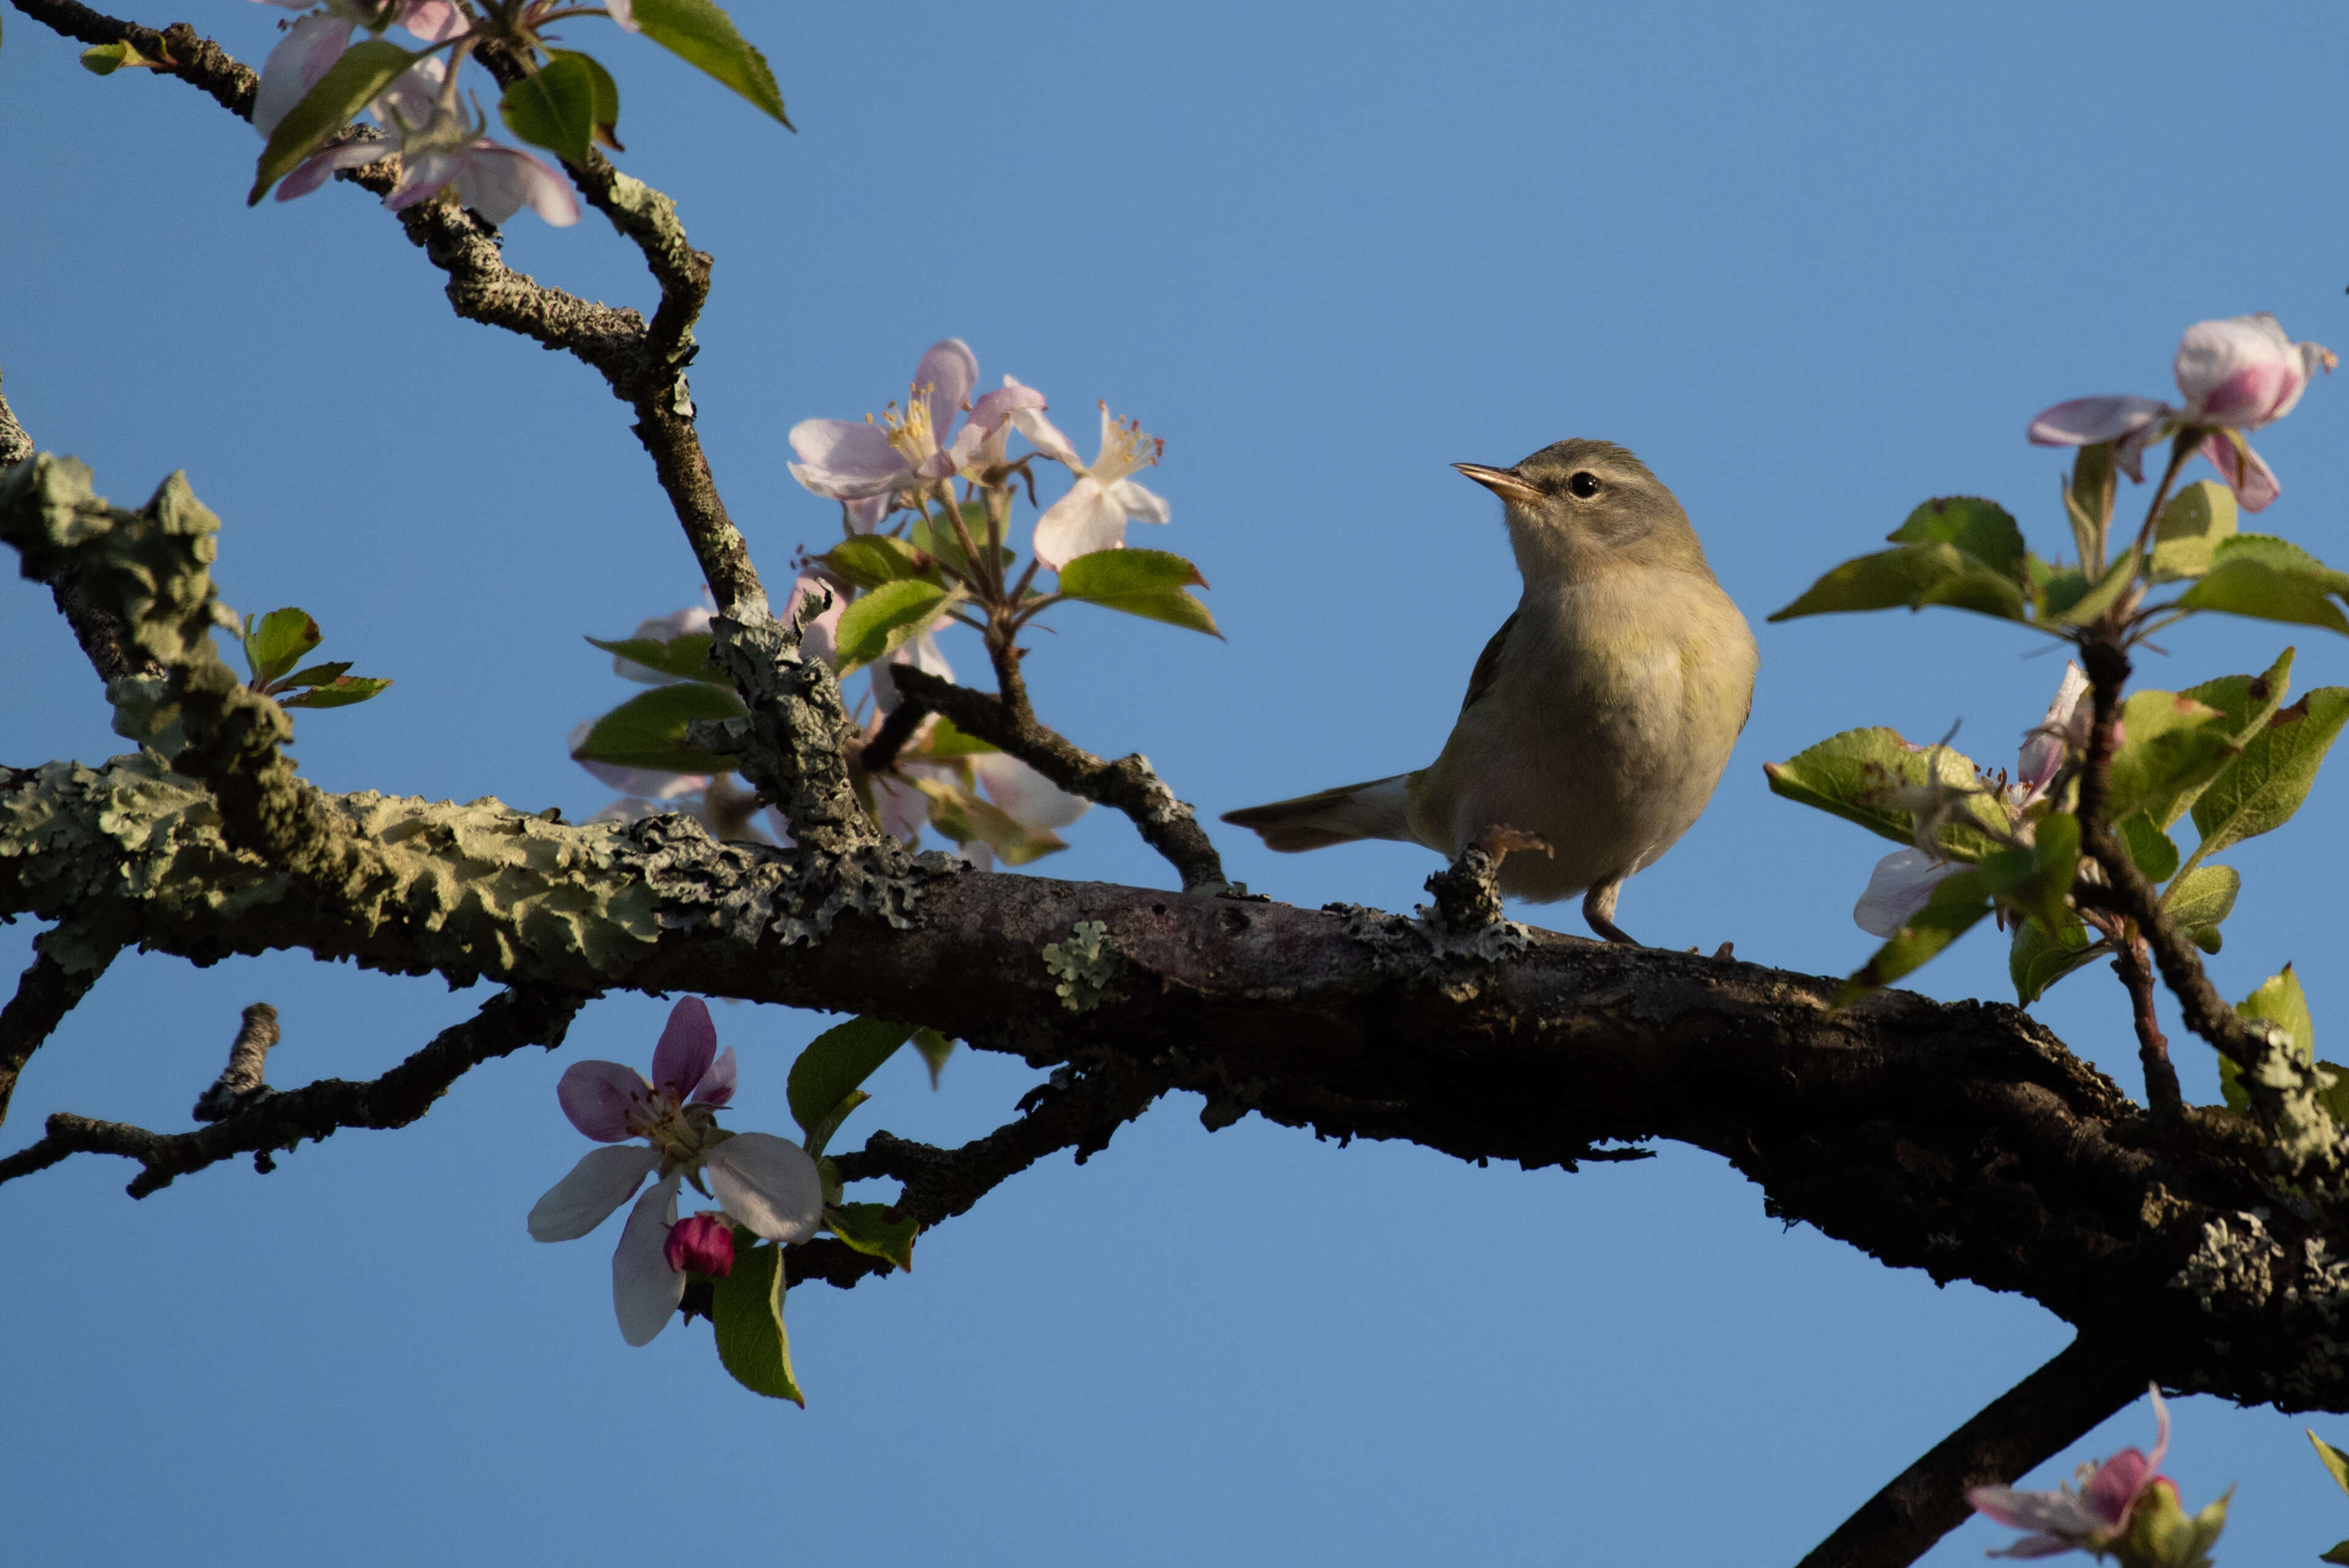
(1815, 265)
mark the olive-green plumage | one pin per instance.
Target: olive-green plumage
(1600, 715)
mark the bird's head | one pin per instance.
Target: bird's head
(1580, 509)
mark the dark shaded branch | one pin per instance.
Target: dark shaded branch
(248, 1059)
(2161, 1090)
(1079, 1111)
(880, 753)
(525, 1015)
(100, 632)
(45, 993)
(1127, 785)
(2028, 1425)
(192, 58)
(15, 446)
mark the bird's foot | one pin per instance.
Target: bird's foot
(1468, 895)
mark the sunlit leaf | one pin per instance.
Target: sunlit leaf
(1146, 582)
(686, 657)
(1982, 529)
(1912, 577)
(2196, 518)
(702, 34)
(2037, 959)
(888, 618)
(2261, 789)
(606, 111)
(555, 107)
(869, 560)
(2279, 1000)
(2171, 747)
(2336, 1465)
(277, 642)
(746, 1310)
(876, 1230)
(1857, 775)
(339, 692)
(2203, 898)
(2150, 848)
(935, 1048)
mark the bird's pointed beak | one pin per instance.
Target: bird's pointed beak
(1502, 481)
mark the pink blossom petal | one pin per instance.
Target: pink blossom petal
(2113, 1490)
(2041, 757)
(602, 1180)
(623, 11)
(979, 855)
(598, 1095)
(2314, 357)
(847, 460)
(2211, 355)
(2254, 484)
(1141, 505)
(865, 513)
(1027, 797)
(950, 371)
(434, 21)
(645, 1289)
(688, 1045)
(995, 407)
(410, 101)
(769, 1184)
(423, 172)
(923, 654)
(1901, 884)
(717, 1085)
(1084, 520)
(818, 638)
(497, 181)
(702, 1243)
(319, 167)
(298, 63)
(2085, 421)
(2249, 397)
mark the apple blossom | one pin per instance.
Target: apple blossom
(1093, 514)
(491, 178)
(2237, 374)
(703, 1244)
(1027, 797)
(862, 461)
(1903, 881)
(2091, 1512)
(314, 43)
(767, 1184)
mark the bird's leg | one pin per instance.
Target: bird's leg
(1598, 909)
(1467, 898)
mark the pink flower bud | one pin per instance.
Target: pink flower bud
(703, 1244)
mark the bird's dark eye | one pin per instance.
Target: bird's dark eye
(1584, 484)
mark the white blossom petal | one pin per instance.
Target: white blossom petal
(603, 1180)
(497, 181)
(298, 63)
(1044, 435)
(769, 1184)
(1141, 505)
(645, 1289)
(2085, 421)
(1027, 797)
(1084, 520)
(948, 372)
(1901, 885)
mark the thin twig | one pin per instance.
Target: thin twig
(880, 754)
(248, 1060)
(525, 1015)
(2161, 1090)
(1127, 785)
(2027, 1426)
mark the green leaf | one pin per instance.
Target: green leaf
(2259, 792)
(1914, 576)
(1982, 529)
(2088, 500)
(2336, 1465)
(2196, 519)
(2069, 598)
(2173, 746)
(649, 730)
(836, 1062)
(2249, 701)
(935, 1048)
(2281, 556)
(746, 1310)
(350, 84)
(2337, 1552)
(2265, 584)
(278, 643)
(1856, 776)
(2036, 959)
(108, 59)
(1147, 583)
(964, 817)
(891, 616)
(1959, 902)
(2203, 898)
(325, 674)
(2150, 848)
(820, 1136)
(554, 108)
(869, 560)
(937, 539)
(686, 657)
(876, 1230)
(703, 36)
(2279, 1000)
(2055, 862)
(340, 693)
(945, 740)
(607, 102)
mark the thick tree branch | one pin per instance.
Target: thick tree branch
(98, 631)
(1127, 785)
(2025, 1427)
(525, 1015)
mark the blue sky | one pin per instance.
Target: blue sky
(1814, 265)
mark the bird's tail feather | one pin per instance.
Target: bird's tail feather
(1377, 809)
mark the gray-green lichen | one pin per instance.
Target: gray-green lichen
(2297, 1296)
(2286, 1089)
(1401, 945)
(1084, 963)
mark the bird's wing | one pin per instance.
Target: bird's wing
(1488, 665)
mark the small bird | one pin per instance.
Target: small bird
(1600, 717)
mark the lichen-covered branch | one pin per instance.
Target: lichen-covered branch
(1127, 785)
(192, 58)
(526, 1015)
(1960, 1138)
(49, 988)
(2028, 1425)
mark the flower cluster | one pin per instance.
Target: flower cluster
(2237, 375)
(2122, 1507)
(768, 1185)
